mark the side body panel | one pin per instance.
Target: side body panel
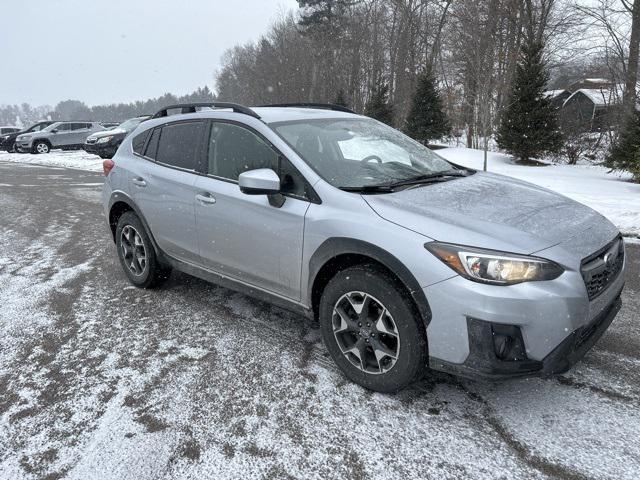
(245, 237)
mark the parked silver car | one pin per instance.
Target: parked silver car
(405, 259)
(9, 129)
(65, 135)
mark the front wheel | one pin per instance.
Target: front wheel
(372, 329)
(136, 253)
(41, 147)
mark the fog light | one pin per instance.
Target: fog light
(508, 343)
(502, 343)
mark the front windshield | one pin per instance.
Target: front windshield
(130, 124)
(353, 153)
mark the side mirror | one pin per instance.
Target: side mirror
(262, 181)
(55, 130)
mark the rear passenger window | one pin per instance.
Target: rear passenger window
(152, 147)
(179, 144)
(139, 141)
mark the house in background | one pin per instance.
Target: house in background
(592, 109)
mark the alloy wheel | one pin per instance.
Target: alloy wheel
(366, 332)
(42, 148)
(133, 250)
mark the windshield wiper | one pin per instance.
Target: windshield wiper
(369, 189)
(426, 178)
(391, 187)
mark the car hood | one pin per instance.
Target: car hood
(496, 212)
(107, 133)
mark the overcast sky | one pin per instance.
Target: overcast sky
(120, 50)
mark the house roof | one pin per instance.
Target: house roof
(554, 93)
(601, 97)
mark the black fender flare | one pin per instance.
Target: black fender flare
(336, 246)
(119, 196)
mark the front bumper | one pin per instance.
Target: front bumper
(554, 321)
(482, 363)
(23, 145)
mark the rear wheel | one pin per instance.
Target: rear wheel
(136, 253)
(41, 147)
(372, 330)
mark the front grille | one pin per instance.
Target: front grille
(603, 267)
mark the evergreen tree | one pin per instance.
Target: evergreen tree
(529, 126)
(378, 106)
(341, 99)
(426, 119)
(625, 152)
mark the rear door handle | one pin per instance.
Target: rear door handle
(206, 198)
(139, 182)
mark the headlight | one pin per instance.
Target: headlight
(496, 268)
(3, 138)
(104, 139)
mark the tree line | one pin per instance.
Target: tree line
(474, 68)
(26, 115)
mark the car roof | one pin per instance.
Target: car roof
(273, 114)
(289, 114)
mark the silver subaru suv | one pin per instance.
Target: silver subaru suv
(407, 261)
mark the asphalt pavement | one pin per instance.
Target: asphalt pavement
(193, 381)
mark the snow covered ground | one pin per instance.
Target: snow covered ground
(99, 380)
(613, 195)
(77, 159)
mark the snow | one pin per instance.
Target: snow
(192, 381)
(552, 93)
(76, 159)
(611, 194)
(602, 97)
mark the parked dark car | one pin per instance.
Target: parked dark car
(8, 141)
(106, 143)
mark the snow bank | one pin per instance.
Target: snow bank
(78, 159)
(613, 195)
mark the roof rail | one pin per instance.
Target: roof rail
(326, 106)
(192, 108)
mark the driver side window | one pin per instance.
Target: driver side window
(234, 149)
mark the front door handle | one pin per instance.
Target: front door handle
(139, 182)
(206, 198)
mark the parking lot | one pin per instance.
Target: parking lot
(99, 379)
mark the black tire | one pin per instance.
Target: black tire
(409, 342)
(41, 147)
(143, 274)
